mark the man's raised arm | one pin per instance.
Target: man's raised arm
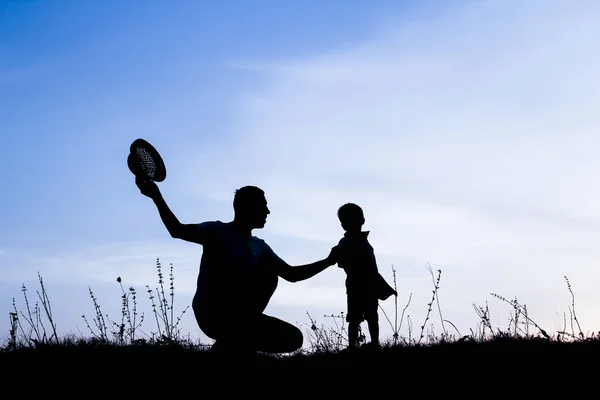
(187, 232)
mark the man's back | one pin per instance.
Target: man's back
(229, 262)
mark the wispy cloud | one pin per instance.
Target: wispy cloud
(134, 261)
(469, 141)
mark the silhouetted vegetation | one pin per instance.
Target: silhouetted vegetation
(33, 333)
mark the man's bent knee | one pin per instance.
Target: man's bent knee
(296, 340)
(277, 336)
(292, 342)
(264, 288)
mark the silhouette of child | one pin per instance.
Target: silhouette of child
(364, 285)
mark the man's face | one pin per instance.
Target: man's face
(257, 212)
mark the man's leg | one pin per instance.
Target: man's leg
(222, 325)
(265, 333)
(243, 327)
(247, 335)
(262, 287)
(272, 335)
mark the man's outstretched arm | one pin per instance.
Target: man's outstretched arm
(301, 272)
(177, 230)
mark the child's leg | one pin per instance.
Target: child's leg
(373, 324)
(353, 334)
(353, 318)
(372, 318)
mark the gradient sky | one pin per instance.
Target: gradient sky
(467, 131)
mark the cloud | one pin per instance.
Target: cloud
(134, 261)
(469, 140)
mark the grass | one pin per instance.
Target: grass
(33, 334)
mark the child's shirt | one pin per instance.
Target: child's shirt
(357, 258)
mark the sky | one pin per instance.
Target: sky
(466, 130)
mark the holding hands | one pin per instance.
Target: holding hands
(332, 257)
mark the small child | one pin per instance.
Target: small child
(364, 285)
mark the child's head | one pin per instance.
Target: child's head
(351, 217)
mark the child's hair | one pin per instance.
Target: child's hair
(350, 213)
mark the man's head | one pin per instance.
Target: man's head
(250, 207)
(351, 217)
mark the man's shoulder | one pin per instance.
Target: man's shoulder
(212, 227)
(256, 239)
(211, 224)
(259, 243)
(262, 250)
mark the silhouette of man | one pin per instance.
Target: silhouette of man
(364, 285)
(238, 274)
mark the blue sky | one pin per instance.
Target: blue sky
(466, 130)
